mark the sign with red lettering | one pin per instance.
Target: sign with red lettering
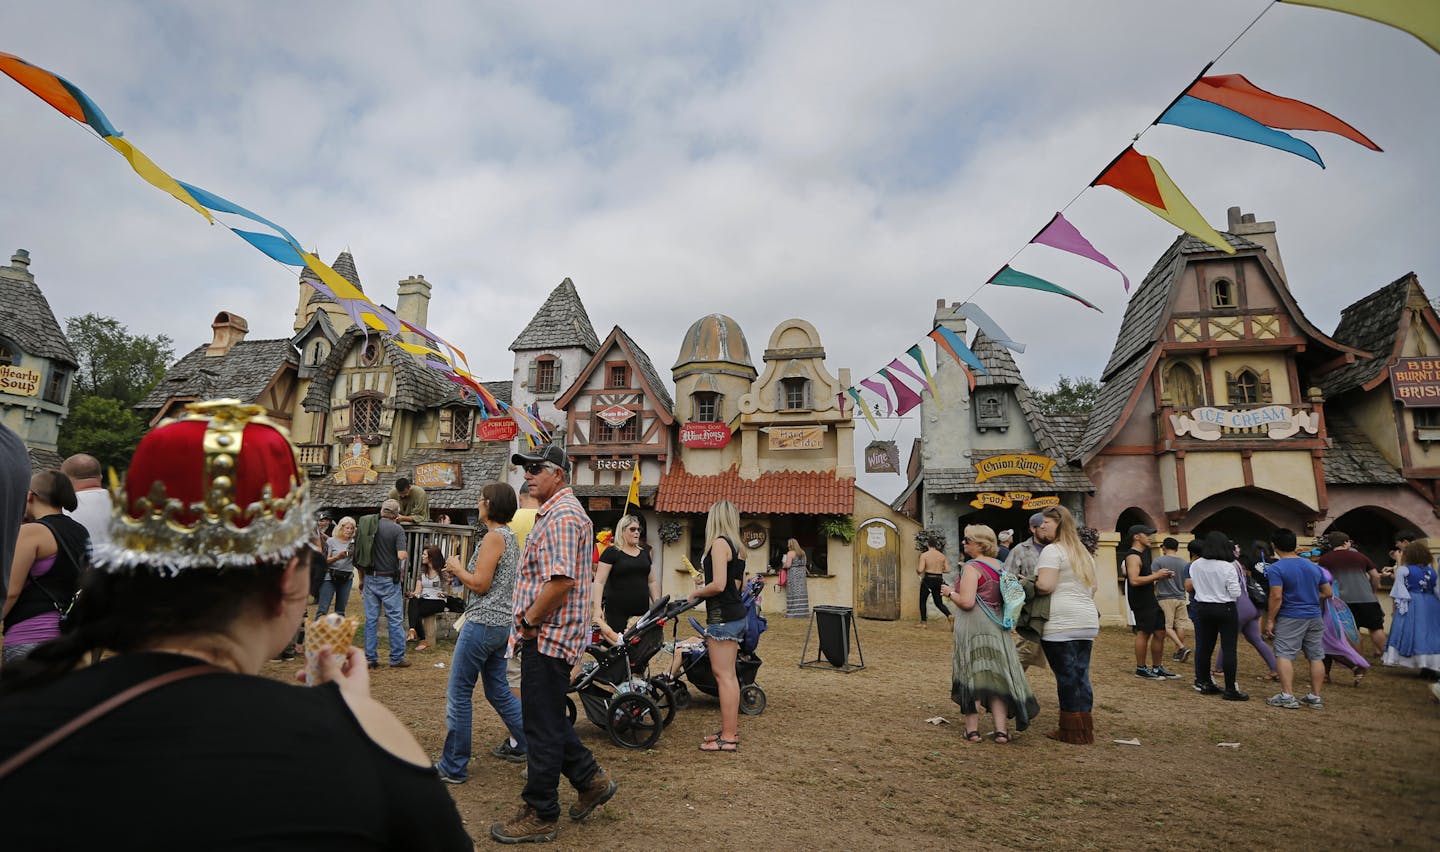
(615, 415)
(496, 429)
(1416, 382)
(705, 436)
(19, 381)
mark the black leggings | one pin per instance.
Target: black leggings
(1211, 620)
(930, 586)
(420, 609)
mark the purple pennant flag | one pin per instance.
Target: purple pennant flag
(879, 389)
(1062, 235)
(905, 398)
(896, 365)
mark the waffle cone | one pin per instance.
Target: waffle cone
(331, 632)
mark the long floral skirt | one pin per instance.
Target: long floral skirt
(985, 665)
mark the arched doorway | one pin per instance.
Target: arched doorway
(1242, 526)
(1373, 530)
(1128, 518)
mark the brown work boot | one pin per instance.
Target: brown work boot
(596, 792)
(525, 827)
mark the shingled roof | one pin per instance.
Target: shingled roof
(1109, 405)
(25, 315)
(417, 387)
(1371, 324)
(1000, 368)
(560, 322)
(241, 373)
(651, 378)
(1352, 459)
(482, 464)
(345, 265)
(1004, 372)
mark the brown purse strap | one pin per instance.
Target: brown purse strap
(51, 739)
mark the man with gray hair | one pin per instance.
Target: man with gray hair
(1022, 562)
(93, 511)
(383, 588)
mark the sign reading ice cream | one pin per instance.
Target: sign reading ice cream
(1014, 464)
(1416, 382)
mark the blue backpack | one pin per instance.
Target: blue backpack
(754, 622)
(1012, 597)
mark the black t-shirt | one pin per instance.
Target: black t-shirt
(726, 606)
(218, 761)
(1140, 597)
(627, 589)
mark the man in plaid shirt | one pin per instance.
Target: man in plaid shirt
(552, 620)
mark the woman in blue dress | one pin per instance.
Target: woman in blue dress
(1415, 630)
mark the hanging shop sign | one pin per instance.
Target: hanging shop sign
(1014, 464)
(601, 504)
(1024, 499)
(753, 535)
(882, 457)
(354, 467)
(705, 436)
(797, 437)
(497, 429)
(615, 415)
(611, 464)
(1416, 382)
(1279, 422)
(19, 381)
(438, 475)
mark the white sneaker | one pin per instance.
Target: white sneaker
(1313, 702)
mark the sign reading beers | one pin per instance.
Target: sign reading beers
(1014, 464)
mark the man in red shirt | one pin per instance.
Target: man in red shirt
(1356, 582)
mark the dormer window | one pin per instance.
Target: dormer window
(55, 389)
(455, 425)
(795, 394)
(317, 353)
(370, 355)
(617, 376)
(365, 415)
(706, 405)
(1222, 294)
(545, 374)
(1248, 387)
(990, 410)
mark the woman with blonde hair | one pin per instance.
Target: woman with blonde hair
(720, 582)
(624, 586)
(1066, 572)
(985, 668)
(340, 569)
(797, 599)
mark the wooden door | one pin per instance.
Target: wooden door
(877, 570)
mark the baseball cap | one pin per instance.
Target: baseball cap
(1036, 520)
(390, 506)
(551, 453)
(1140, 529)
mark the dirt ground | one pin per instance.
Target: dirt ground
(848, 761)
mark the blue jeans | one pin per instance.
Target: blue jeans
(1070, 661)
(479, 653)
(330, 590)
(383, 593)
(554, 749)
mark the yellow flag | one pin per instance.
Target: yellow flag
(634, 495)
(1420, 18)
(156, 176)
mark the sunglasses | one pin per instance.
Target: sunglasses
(537, 468)
(632, 529)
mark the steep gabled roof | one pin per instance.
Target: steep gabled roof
(1352, 459)
(345, 265)
(25, 315)
(1110, 404)
(1004, 372)
(242, 373)
(635, 355)
(1373, 324)
(1000, 367)
(417, 387)
(560, 322)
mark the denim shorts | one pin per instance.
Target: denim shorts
(731, 631)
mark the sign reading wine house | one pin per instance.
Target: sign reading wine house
(705, 436)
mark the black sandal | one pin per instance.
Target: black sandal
(973, 736)
(1000, 737)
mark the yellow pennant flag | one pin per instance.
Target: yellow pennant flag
(1420, 18)
(634, 495)
(156, 176)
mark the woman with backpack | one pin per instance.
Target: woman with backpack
(719, 584)
(50, 553)
(985, 669)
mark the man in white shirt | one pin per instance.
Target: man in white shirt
(93, 511)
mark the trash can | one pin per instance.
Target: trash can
(833, 625)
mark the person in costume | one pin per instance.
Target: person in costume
(1414, 641)
(1336, 641)
(205, 579)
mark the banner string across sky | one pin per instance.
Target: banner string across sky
(1229, 105)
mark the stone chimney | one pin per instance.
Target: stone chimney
(1260, 233)
(412, 300)
(229, 330)
(950, 317)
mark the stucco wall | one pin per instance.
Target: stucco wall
(1122, 482)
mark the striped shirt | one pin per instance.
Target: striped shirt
(560, 545)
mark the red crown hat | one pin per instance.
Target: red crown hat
(217, 487)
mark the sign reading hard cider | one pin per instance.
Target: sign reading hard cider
(797, 437)
(1014, 464)
(705, 436)
(1416, 382)
(19, 381)
(497, 429)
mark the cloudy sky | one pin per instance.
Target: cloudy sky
(849, 163)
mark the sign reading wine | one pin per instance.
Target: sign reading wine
(705, 436)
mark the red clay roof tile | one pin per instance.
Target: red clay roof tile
(786, 492)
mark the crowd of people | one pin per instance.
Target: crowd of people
(1288, 603)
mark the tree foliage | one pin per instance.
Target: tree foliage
(117, 369)
(1075, 395)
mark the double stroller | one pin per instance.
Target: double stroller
(695, 662)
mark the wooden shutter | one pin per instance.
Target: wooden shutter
(1264, 389)
(530, 374)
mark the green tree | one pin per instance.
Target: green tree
(1069, 396)
(113, 362)
(117, 369)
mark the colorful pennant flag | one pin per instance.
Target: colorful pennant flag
(879, 390)
(905, 398)
(1207, 117)
(951, 342)
(1143, 179)
(864, 409)
(1420, 18)
(1235, 92)
(1060, 234)
(969, 377)
(992, 329)
(1008, 277)
(918, 355)
(633, 498)
(896, 365)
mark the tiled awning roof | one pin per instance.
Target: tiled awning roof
(785, 492)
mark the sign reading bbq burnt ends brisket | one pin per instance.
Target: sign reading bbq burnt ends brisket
(497, 429)
(705, 436)
(1416, 382)
(1014, 464)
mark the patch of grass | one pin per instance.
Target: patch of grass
(1332, 773)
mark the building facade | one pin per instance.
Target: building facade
(37, 365)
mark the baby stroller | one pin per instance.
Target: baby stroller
(695, 663)
(613, 688)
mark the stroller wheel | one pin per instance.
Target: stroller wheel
(681, 693)
(635, 721)
(752, 700)
(664, 698)
(570, 710)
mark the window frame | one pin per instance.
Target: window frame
(7, 355)
(1228, 287)
(616, 369)
(56, 385)
(367, 400)
(791, 385)
(699, 400)
(543, 364)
